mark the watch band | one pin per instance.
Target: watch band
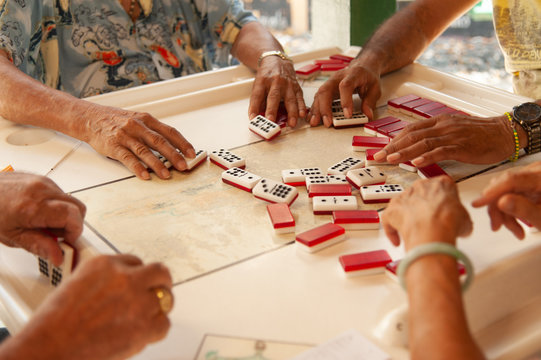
(533, 131)
(280, 54)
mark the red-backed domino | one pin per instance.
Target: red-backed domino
(387, 129)
(329, 69)
(328, 61)
(325, 179)
(308, 71)
(297, 177)
(370, 161)
(393, 105)
(430, 171)
(265, 128)
(372, 126)
(320, 237)
(200, 157)
(392, 267)
(281, 218)
(324, 205)
(365, 263)
(407, 108)
(344, 58)
(57, 273)
(370, 175)
(375, 194)
(356, 219)
(275, 192)
(441, 111)
(240, 178)
(329, 190)
(420, 112)
(361, 143)
(356, 119)
(393, 134)
(528, 226)
(226, 159)
(345, 165)
(408, 166)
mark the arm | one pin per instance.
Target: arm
(275, 78)
(120, 134)
(397, 43)
(427, 212)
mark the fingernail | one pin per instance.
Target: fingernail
(293, 122)
(313, 120)
(325, 120)
(181, 165)
(370, 114)
(418, 161)
(165, 174)
(190, 153)
(380, 155)
(252, 115)
(393, 157)
(347, 113)
(145, 175)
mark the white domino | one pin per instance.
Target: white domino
(356, 119)
(297, 177)
(327, 204)
(325, 179)
(366, 176)
(275, 192)
(57, 273)
(263, 127)
(200, 156)
(345, 165)
(226, 159)
(380, 193)
(240, 178)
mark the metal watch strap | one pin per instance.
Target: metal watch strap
(280, 54)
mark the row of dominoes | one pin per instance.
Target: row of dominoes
(323, 67)
(419, 108)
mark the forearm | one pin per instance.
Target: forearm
(438, 327)
(252, 41)
(25, 100)
(403, 37)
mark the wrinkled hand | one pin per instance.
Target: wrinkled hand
(451, 137)
(355, 78)
(33, 205)
(129, 136)
(276, 80)
(107, 309)
(429, 211)
(515, 194)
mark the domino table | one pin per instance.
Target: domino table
(239, 286)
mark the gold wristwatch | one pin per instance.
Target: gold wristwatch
(280, 54)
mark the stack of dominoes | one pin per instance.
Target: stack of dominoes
(419, 108)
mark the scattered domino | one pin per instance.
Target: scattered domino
(329, 190)
(265, 128)
(226, 159)
(297, 177)
(324, 205)
(275, 192)
(345, 165)
(281, 218)
(325, 179)
(370, 175)
(365, 263)
(374, 194)
(356, 219)
(370, 161)
(200, 157)
(393, 105)
(430, 171)
(372, 126)
(240, 178)
(57, 273)
(308, 72)
(361, 143)
(341, 57)
(341, 122)
(320, 237)
(408, 166)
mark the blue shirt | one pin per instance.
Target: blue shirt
(92, 47)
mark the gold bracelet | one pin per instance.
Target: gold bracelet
(280, 54)
(514, 157)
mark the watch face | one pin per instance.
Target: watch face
(528, 112)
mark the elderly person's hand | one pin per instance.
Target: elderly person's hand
(515, 194)
(467, 139)
(428, 211)
(343, 84)
(33, 205)
(275, 81)
(107, 309)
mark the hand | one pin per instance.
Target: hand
(514, 195)
(107, 309)
(32, 204)
(355, 78)
(129, 136)
(429, 211)
(452, 137)
(276, 80)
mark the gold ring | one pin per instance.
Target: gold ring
(165, 299)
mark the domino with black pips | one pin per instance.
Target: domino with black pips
(226, 159)
(265, 128)
(240, 178)
(342, 122)
(325, 179)
(320, 237)
(56, 274)
(200, 157)
(356, 219)
(362, 143)
(370, 175)
(297, 177)
(275, 192)
(345, 165)
(281, 218)
(365, 263)
(375, 194)
(325, 205)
